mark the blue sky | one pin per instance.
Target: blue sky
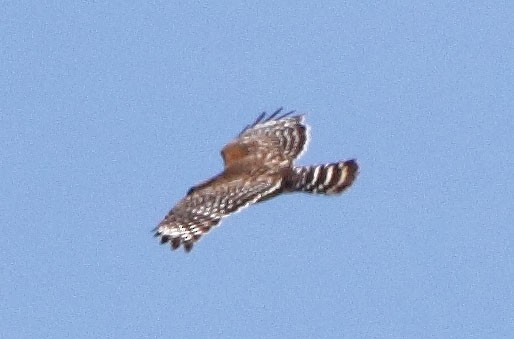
(111, 111)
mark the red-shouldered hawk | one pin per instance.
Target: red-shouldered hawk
(258, 166)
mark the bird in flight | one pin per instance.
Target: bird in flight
(259, 165)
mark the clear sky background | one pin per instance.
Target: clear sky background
(110, 111)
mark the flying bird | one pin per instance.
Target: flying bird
(259, 165)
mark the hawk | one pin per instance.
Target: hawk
(259, 165)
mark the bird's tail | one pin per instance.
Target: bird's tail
(330, 178)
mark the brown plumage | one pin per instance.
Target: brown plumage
(258, 166)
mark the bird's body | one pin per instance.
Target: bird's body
(258, 166)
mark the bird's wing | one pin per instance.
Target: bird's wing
(206, 204)
(278, 137)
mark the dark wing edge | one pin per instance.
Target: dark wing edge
(170, 223)
(263, 119)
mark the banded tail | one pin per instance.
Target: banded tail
(330, 178)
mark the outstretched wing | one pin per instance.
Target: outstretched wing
(277, 138)
(207, 204)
